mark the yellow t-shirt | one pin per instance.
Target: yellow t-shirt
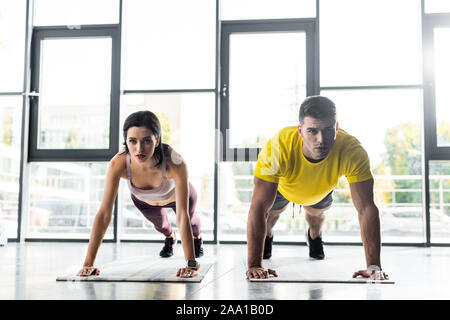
(304, 182)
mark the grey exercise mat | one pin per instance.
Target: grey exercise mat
(143, 269)
(308, 270)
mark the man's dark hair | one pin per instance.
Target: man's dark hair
(317, 107)
(149, 120)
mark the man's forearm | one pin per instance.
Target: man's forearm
(256, 231)
(370, 234)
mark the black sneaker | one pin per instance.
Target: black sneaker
(268, 248)
(167, 250)
(198, 247)
(315, 247)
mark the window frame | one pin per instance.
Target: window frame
(431, 151)
(307, 25)
(429, 154)
(85, 31)
(430, 22)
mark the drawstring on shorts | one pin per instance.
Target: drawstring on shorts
(293, 211)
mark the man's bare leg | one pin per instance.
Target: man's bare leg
(315, 218)
(272, 219)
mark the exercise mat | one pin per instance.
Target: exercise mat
(143, 269)
(306, 270)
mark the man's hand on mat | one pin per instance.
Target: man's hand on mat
(187, 273)
(260, 273)
(88, 271)
(372, 274)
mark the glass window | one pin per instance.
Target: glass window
(10, 142)
(437, 6)
(64, 199)
(363, 43)
(266, 9)
(187, 122)
(12, 45)
(75, 12)
(442, 85)
(75, 86)
(169, 44)
(235, 194)
(267, 83)
(440, 201)
(395, 155)
(388, 125)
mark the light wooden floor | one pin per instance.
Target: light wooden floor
(28, 271)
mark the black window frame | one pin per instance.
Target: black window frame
(429, 23)
(430, 150)
(83, 31)
(307, 25)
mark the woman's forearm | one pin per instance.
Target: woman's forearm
(184, 225)
(98, 232)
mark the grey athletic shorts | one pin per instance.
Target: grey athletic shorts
(280, 201)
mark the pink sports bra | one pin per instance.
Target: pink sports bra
(163, 192)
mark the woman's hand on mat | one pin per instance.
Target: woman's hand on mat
(372, 274)
(260, 273)
(88, 271)
(187, 273)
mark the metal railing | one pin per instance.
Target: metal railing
(378, 191)
(384, 184)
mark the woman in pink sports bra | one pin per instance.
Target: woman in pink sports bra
(157, 178)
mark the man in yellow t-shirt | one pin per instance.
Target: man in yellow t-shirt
(302, 164)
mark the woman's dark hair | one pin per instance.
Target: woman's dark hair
(317, 107)
(149, 120)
